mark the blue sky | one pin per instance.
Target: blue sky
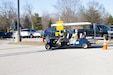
(41, 6)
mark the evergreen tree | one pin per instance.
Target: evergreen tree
(37, 22)
(50, 22)
(109, 20)
(27, 23)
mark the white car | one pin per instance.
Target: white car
(27, 33)
(37, 34)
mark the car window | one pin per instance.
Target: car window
(112, 28)
(25, 30)
(103, 27)
(97, 27)
(50, 30)
(28, 30)
(33, 30)
(107, 28)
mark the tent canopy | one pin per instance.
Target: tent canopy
(72, 24)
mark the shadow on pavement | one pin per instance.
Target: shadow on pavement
(20, 53)
(77, 47)
(38, 51)
(96, 47)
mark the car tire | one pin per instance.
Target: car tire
(105, 36)
(31, 36)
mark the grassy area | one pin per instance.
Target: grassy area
(28, 43)
(3, 38)
(42, 43)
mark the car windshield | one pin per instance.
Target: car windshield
(105, 27)
(111, 28)
(101, 27)
(28, 30)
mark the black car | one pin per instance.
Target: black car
(99, 30)
(2, 34)
(49, 32)
(111, 28)
(8, 35)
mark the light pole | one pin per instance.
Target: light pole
(17, 37)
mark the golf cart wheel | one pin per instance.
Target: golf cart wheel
(48, 46)
(84, 45)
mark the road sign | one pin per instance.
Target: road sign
(13, 25)
(59, 27)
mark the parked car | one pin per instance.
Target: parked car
(37, 34)
(99, 30)
(8, 35)
(111, 28)
(49, 32)
(2, 34)
(30, 33)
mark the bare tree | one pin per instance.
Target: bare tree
(45, 20)
(80, 14)
(28, 9)
(27, 14)
(95, 12)
(67, 9)
(7, 12)
(26, 22)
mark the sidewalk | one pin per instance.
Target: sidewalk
(102, 41)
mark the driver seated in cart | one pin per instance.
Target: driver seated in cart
(63, 36)
(74, 37)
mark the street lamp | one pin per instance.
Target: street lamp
(17, 37)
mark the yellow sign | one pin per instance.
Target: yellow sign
(59, 22)
(56, 33)
(59, 27)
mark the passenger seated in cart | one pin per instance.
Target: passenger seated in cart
(74, 37)
(78, 35)
(83, 35)
(75, 34)
(63, 36)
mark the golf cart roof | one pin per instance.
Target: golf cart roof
(72, 24)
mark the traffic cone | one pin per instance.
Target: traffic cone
(105, 47)
(43, 40)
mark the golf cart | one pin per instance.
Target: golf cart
(64, 39)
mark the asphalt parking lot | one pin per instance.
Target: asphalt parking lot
(36, 60)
